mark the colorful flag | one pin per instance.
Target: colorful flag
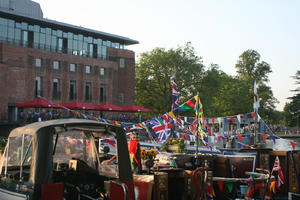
(256, 99)
(175, 97)
(277, 168)
(161, 130)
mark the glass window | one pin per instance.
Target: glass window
(59, 44)
(88, 91)
(38, 86)
(56, 65)
(80, 37)
(36, 39)
(18, 25)
(73, 90)
(30, 28)
(24, 26)
(90, 50)
(70, 35)
(48, 41)
(53, 43)
(102, 71)
(11, 33)
(24, 38)
(3, 21)
(48, 31)
(72, 67)
(65, 35)
(121, 98)
(38, 62)
(102, 97)
(36, 28)
(3, 31)
(122, 63)
(56, 89)
(11, 23)
(43, 38)
(18, 146)
(104, 52)
(87, 69)
(17, 34)
(59, 33)
(43, 30)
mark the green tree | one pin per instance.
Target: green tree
(292, 109)
(250, 69)
(154, 70)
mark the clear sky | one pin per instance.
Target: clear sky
(219, 30)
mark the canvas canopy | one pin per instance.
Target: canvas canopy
(43, 134)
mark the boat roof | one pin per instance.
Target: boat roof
(32, 129)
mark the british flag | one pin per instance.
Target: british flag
(162, 130)
(175, 97)
(277, 168)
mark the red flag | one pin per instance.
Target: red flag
(253, 115)
(240, 137)
(277, 168)
(220, 185)
(293, 145)
(264, 136)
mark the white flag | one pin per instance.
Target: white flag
(256, 99)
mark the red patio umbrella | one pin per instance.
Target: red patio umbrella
(77, 105)
(108, 107)
(39, 103)
(134, 108)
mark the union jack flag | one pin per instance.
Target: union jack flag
(175, 98)
(277, 168)
(161, 130)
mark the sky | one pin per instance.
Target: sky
(219, 30)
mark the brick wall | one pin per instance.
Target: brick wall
(18, 72)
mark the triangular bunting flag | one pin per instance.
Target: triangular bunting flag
(229, 186)
(293, 145)
(220, 185)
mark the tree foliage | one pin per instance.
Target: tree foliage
(221, 94)
(154, 71)
(292, 109)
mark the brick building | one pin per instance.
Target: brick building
(59, 61)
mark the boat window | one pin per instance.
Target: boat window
(19, 154)
(73, 144)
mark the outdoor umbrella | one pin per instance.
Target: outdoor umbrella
(108, 107)
(39, 103)
(134, 108)
(76, 105)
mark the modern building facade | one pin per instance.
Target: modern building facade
(59, 61)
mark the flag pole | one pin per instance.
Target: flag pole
(197, 129)
(255, 108)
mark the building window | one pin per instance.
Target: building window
(38, 91)
(121, 98)
(38, 62)
(88, 91)
(87, 69)
(56, 65)
(56, 89)
(102, 71)
(122, 63)
(72, 67)
(73, 90)
(102, 97)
